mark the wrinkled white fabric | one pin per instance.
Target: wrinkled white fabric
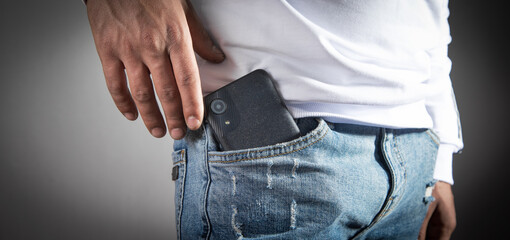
(378, 62)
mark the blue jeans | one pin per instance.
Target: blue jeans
(337, 181)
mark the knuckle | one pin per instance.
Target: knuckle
(142, 95)
(121, 100)
(175, 121)
(174, 34)
(450, 226)
(152, 43)
(116, 89)
(126, 47)
(138, 75)
(187, 79)
(123, 105)
(110, 70)
(106, 41)
(168, 94)
(119, 95)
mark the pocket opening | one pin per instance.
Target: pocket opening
(279, 149)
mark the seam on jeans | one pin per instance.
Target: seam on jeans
(269, 156)
(395, 200)
(403, 165)
(319, 132)
(181, 197)
(208, 185)
(434, 136)
(389, 201)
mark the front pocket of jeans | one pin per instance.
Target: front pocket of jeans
(179, 176)
(280, 149)
(257, 192)
(291, 189)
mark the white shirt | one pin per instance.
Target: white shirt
(379, 62)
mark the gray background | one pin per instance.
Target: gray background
(73, 168)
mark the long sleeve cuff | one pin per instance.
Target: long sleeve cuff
(444, 170)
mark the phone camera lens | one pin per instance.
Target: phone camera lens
(218, 106)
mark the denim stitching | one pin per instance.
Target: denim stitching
(391, 202)
(403, 165)
(182, 157)
(433, 136)
(318, 132)
(206, 147)
(262, 157)
(181, 197)
(388, 202)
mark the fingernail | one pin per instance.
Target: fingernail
(177, 133)
(218, 52)
(130, 116)
(158, 132)
(193, 123)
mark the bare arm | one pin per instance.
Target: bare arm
(157, 38)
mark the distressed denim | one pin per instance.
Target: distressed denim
(337, 181)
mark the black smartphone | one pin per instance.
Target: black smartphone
(249, 113)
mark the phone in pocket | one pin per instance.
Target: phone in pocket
(249, 113)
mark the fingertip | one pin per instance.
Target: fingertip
(177, 133)
(158, 132)
(193, 123)
(211, 53)
(130, 116)
(219, 56)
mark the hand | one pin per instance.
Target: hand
(440, 220)
(153, 37)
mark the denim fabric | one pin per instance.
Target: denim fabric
(337, 181)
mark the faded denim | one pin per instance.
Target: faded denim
(337, 181)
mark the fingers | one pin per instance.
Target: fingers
(202, 42)
(143, 95)
(168, 94)
(143, 39)
(188, 81)
(117, 86)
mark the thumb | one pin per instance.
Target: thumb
(202, 42)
